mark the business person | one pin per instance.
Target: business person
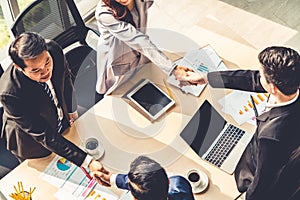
(124, 47)
(147, 180)
(270, 156)
(37, 96)
(8, 161)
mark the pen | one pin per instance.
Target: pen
(86, 173)
(254, 107)
(168, 88)
(268, 98)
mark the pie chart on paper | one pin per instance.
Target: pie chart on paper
(63, 164)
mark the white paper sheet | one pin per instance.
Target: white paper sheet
(200, 60)
(72, 182)
(238, 104)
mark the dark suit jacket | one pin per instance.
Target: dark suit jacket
(30, 117)
(266, 169)
(179, 188)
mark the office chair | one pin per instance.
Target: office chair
(8, 161)
(61, 21)
(1, 70)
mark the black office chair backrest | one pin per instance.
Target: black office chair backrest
(1, 70)
(59, 20)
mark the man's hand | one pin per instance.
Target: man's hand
(72, 117)
(101, 174)
(187, 76)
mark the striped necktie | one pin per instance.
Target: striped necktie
(48, 91)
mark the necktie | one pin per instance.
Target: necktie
(48, 91)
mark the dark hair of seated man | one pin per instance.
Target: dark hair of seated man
(148, 179)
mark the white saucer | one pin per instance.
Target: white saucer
(203, 185)
(99, 154)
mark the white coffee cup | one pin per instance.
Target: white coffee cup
(93, 147)
(194, 177)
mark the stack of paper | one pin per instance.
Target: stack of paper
(199, 60)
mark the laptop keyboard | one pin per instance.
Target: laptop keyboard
(224, 145)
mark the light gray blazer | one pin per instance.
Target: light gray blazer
(122, 49)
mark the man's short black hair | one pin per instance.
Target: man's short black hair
(282, 68)
(26, 46)
(148, 180)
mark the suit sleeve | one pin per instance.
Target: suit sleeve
(180, 188)
(35, 125)
(247, 80)
(135, 39)
(122, 181)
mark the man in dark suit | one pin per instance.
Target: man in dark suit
(37, 95)
(148, 180)
(269, 167)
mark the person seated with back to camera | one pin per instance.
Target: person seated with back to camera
(148, 180)
(124, 47)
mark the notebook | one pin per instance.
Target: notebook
(215, 140)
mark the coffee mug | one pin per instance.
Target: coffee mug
(91, 146)
(194, 178)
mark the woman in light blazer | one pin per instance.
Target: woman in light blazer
(123, 46)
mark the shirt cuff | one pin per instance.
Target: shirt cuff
(87, 161)
(172, 69)
(112, 179)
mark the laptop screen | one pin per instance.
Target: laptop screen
(203, 128)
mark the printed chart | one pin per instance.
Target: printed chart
(63, 164)
(257, 98)
(239, 105)
(199, 60)
(73, 183)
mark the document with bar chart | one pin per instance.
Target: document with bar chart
(199, 60)
(238, 104)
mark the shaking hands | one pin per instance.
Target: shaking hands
(187, 76)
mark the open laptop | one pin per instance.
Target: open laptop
(215, 140)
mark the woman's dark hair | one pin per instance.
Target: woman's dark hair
(120, 12)
(148, 180)
(281, 66)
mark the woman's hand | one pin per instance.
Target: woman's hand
(187, 76)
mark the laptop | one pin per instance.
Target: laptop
(214, 140)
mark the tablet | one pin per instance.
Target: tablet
(150, 100)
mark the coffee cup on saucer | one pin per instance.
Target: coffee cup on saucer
(94, 147)
(198, 180)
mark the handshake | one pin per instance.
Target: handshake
(187, 76)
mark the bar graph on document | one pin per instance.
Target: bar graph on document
(238, 104)
(202, 68)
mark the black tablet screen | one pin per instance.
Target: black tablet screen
(151, 99)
